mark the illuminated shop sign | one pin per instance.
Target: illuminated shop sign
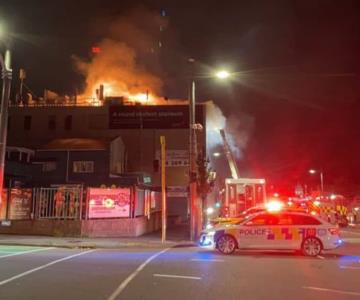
(109, 203)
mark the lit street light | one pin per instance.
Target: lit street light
(223, 74)
(216, 154)
(313, 171)
(195, 208)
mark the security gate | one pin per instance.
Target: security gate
(57, 203)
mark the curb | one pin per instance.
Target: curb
(96, 246)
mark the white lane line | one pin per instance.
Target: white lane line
(350, 267)
(331, 291)
(177, 276)
(25, 252)
(207, 260)
(123, 285)
(43, 267)
(321, 257)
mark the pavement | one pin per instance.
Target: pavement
(175, 235)
(180, 272)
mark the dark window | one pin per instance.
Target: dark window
(9, 123)
(68, 122)
(263, 219)
(14, 156)
(52, 123)
(27, 122)
(24, 157)
(304, 220)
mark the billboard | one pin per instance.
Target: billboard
(109, 203)
(152, 116)
(20, 204)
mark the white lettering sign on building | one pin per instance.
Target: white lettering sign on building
(175, 158)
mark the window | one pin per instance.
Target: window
(68, 122)
(14, 156)
(83, 167)
(263, 219)
(305, 220)
(52, 123)
(27, 122)
(49, 166)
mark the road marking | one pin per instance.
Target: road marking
(123, 285)
(43, 267)
(207, 260)
(177, 276)
(331, 291)
(350, 267)
(25, 252)
(321, 257)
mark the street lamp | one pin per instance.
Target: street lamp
(223, 74)
(313, 171)
(5, 62)
(195, 208)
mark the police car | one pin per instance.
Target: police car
(277, 231)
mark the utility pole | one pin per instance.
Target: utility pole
(193, 168)
(163, 189)
(5, 96)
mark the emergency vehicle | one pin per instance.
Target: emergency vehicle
(274, 231)
(240, 193)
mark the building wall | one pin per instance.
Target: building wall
(141, 145)
(59, 175)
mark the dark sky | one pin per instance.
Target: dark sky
(299, 67)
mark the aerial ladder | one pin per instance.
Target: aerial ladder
(240, 193)
(230, 158)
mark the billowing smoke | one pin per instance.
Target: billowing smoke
(238, 129)
(127, 62)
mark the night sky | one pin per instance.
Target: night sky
(298, 64)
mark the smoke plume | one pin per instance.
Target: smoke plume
(127, 62)
(238, 129)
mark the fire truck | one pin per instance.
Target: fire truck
(240, 193)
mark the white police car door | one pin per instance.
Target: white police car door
(256, 233)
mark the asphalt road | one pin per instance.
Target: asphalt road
(177, 273)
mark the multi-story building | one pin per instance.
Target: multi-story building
(95, 145)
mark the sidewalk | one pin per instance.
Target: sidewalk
(175, 236)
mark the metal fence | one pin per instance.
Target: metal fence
(57, 203)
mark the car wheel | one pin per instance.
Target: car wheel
(311, 246)
(226, 244)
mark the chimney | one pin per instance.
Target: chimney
(101, 92)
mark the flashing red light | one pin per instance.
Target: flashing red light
(95, 50)
(334, 231)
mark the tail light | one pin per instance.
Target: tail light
(334, 231)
